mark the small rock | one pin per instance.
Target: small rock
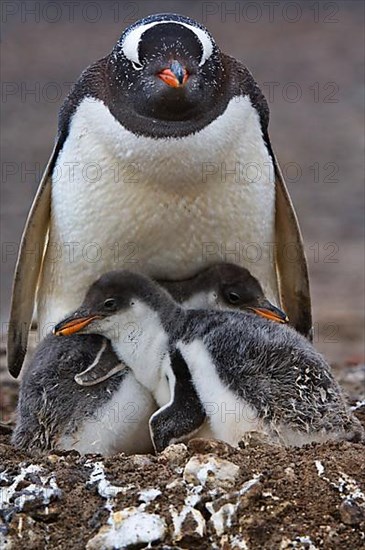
(175, 484)
(127, 528)
(203, 469)
(251, 489)
(289, 473)
(351, 513)
(233, 542)
(222, 518)
(188, 524)
(3, 449)
(22, 484)
(285, 543)
(140, 461)
(175, 454)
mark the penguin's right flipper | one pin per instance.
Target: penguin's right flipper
(105, 365)
(29, 264)
(183, 415)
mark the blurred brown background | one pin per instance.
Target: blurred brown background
(308, 59)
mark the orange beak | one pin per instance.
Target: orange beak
(67, 327)
(175, 76)
(273, 314)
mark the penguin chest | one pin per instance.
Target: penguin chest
(229, 417)
(120, 424)
(166, 207)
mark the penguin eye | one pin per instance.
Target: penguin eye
(110, 304)
(233, 297)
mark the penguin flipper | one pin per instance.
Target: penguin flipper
(293, 274)
(183, 415)
(27, 270)
(105, 364)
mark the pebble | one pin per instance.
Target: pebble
(175, 454)
(189, 523)
(128, 528)
(351, 513)
(209, 469)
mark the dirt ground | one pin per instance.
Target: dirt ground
(299, 498)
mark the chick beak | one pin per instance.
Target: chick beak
(73, 324)
(271, 312)
(176, 75)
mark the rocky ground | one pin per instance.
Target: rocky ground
(203, 495)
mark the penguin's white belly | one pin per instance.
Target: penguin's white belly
(164, 207)
(228, 416)
(119, 425)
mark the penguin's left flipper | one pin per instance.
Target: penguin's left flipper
(293, 273)
(183, 415)
(105, 365)
(29, 263)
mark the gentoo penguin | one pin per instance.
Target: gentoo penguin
(55, 413)
(163, 164)
(223, 286)
(262, 376)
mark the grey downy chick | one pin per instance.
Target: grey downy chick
(56, 413)
(272, 377)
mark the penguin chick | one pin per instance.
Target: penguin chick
(56, 413)
(271, 377)
(222, 286)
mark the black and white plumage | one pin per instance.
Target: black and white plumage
(262, 376)
(56, 413)
(108, 416)
(223, 286)
(141, 177)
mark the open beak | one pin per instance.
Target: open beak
(73, 324)
(176, 75)
(271, 312)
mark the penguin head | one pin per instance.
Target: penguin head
(232, 286)
(167, 67)
(114, 300)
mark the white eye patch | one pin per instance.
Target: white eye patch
(131, 41)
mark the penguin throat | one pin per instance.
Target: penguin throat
(175, 113)
(171, 110)
(162, 124)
